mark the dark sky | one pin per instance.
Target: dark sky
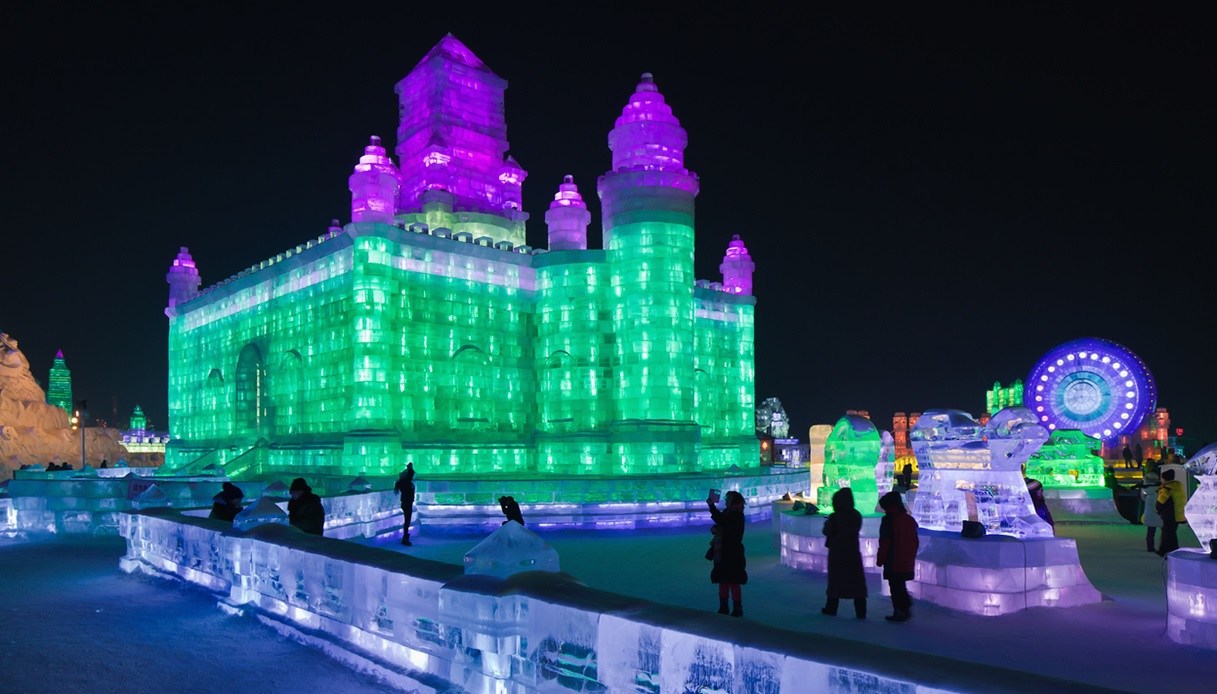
(934, 197)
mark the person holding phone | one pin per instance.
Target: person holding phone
(729, 570)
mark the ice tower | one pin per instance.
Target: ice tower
(59, 392)
(426, 330)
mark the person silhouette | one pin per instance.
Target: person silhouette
(404, 486)
(511, 509)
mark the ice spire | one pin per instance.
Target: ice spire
(737, 268)
(452, 134)
(60, 391)
(567, 218)
(374, 186)
(183, 279)
(647, 135)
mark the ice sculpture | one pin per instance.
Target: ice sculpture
(276, 490)
(509, 550)
(817, 436)
(1067, 460)
(261, 512)
(885, 469)
(152, 497)
(851, 455)
(1201, 508)
(33, 430)
(964, 464)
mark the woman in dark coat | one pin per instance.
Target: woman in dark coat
(227, 504)
(898, 544)
(304, 510)
(845, 576)
(729, 570)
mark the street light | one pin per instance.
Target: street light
(78, 422)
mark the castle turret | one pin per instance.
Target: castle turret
(139, 422)
(183, 279)
(374, 186)
(737, 268)
(647, 212)
(567, 218)
(453, 135)
(59, 392)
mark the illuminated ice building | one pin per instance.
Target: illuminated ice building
(427, 330)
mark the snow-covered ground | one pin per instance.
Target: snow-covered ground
(72, 622)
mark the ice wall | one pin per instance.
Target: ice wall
(428, 624)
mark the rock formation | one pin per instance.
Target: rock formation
(32, 431)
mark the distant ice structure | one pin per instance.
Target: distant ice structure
(851, 454)
(509, 550)
(958, 457)
(261, 512)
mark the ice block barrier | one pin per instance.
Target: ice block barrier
(1191, 598)
(999, 574)
(425, 626)
(802, 541)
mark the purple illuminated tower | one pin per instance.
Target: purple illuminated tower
(452, 140)
(374, 186)
(183, 278)
(567, 218)
(737, 268)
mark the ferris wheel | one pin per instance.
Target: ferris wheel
(1091, 384)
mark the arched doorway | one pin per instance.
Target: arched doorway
(251, 397)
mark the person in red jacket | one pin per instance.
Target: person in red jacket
(897, 554)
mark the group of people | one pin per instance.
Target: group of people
(304, 508)
(1163, 496)
(897, 554)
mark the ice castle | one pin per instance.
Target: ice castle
(427, 330)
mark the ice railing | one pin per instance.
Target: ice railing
(423, 620)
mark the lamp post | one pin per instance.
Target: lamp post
(78, 422)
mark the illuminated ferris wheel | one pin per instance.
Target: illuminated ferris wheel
(1093, 385)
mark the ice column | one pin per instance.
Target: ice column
(647, 208)
(374, 186)
(737, 268)
(567, 218)
(183, 279)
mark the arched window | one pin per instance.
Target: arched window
(251, 400)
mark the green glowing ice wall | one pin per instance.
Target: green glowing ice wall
(1067, 459)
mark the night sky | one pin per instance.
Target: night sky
(934, 198)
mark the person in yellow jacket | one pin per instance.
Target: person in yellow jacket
(1171, 498)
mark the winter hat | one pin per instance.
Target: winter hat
(299, 485)
(231, 491)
